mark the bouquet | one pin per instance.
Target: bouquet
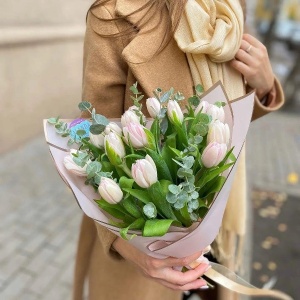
(160, 183)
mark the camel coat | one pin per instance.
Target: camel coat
(111, 66)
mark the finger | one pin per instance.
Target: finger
(241, 67)
(180, 262)
(196, 284)
(180, 278)
(252, 40)
(244, 57)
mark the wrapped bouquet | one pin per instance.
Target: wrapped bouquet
(161, 183)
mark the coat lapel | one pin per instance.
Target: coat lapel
(152, 69)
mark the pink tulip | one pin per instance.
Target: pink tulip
(203, 107)
(110, 190)
(129, 117)
(174, 112)
(72, 166)
(144, 172)
(113, 127)
(97, 140)
(213, 154)
(153, 107)
(217, 113)
(114, 148)
(135, 135)
(218, 132)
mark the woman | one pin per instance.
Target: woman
(132, 40)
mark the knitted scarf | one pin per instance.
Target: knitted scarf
(210, 34)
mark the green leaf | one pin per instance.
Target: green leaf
(134, 89)
(199, 88)
(53, 121)
(97, 128)
(160, 201)
(93, 167)
(115, 210)
(168, 155)
(174, 189)
(126, 182)
(150, 210)
(156, 132)
(100, 119)
(220, 104)
(156, 227)
(163, 171)
(137, 224)
(186, 216)
(201, 129)
(84, 105)
(211, 175)
(166, 96)
(131, 207)
(188, 161)
(141, 195)
(194, 101)
(212, 187)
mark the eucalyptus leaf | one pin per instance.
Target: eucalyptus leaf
(52, 121)
(171, 198)
(199, 88)
(100, 119)
(84, 105)
(150, 210)
(97, 128)
(174, 189)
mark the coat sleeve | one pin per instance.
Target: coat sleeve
(104, 82)
(274, 101)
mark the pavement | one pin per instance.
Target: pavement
(40, 218)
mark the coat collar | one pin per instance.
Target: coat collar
(152, 69)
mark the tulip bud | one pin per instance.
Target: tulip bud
(97, 140)
(213, 154)
(114, 148)
(218, 132)
(110, 191)
(217, 113)
(144, 172)
(203, 107)
(135, 135)
(113, 127)
(129, 117)
(72, 166)
(153, 107)
(174, 112)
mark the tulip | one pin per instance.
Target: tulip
(218, 132)
(153, 107)
(135, 135)
(203, 107)
(113, 127)
(110, 191)
(129, 117)
(213, 154)
(174, 112)
(114, 148)
(217, 113)
(144, 172)
(97, 140)
(72, 166)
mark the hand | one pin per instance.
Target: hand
(161, 270)
(253, 62)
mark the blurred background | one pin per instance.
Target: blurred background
(41, 69)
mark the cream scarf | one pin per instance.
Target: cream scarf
(210, 34)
